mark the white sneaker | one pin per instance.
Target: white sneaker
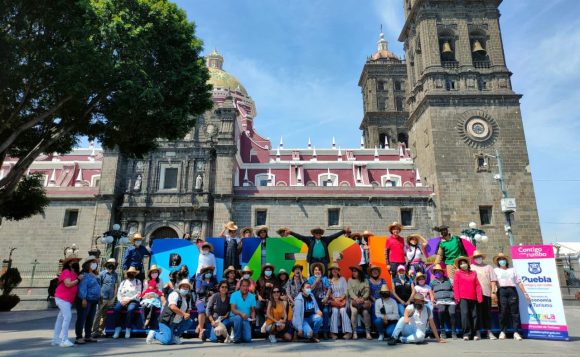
(517, 336)
(55, 343)
(381, 337)
(150, 337)
(491, 336)
(502, 336)
(66, 343)
(272, 339)
(229, 339)
(177, 340)
(127, 333)
(117, 332)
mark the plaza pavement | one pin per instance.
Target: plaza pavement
(28, 333)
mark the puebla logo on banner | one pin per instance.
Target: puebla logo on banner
(543, 318)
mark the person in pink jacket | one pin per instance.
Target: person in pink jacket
(467, 293)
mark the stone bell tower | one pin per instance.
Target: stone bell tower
(461, 110)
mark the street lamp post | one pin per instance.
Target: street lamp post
(474, 234)
(114, 237)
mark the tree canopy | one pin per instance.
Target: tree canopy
(123, 72)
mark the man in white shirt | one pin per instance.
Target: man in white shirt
(412, 326)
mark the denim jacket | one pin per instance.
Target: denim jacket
(108, 282)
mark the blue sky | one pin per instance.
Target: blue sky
(300, 60)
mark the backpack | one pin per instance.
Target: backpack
(52, 288)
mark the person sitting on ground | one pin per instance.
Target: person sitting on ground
(108, 280)
(89, 293)
(175, 318)
(320, 286)
(218, 313)
(337, 298)
(246, 274)
(264, 286)
(411, 328)
(205, 286)
(243, 312)
(152, 297)
(444, 301)
(386, 313)
(358, 294)
(277, 323)
(306, 316)
(66, 292)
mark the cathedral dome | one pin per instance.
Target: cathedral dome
(383, 51)
(219, 78)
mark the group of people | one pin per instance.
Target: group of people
(314, 304)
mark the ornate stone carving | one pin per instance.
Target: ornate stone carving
(477, 128)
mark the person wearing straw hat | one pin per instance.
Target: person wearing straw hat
(175, 317)
(66, 292)
(108, 281)
(247, 232)
(128, 296)
(508, 281)
(412, 327)
(295, 283)
(231, 278)
(318, 244)
(262, 233)
(488, 281)
(232, 245)
(375, 282)
(283, 283)
(88, 295)
(424, 289)
(358, 293)
(264, 286)
(395, 248)
(246, 274)
(415, 252)
(450, 248)
(337, 295)
(467, 293)
(218, 313)
(243, 312)
(364, 248)
(444, 301)
(152, 297)
(134, 255)
(283, 232)
(205, 286)
(206, 257)
(386, 313)
(320, 286)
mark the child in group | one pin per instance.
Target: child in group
(421, 287)
(152, 296)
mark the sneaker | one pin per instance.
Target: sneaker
(517, 336)
(117, 332)
(177, 340)
(347, 336)
(502, 336)
(465, 338)
(392, 341)
(454, 336)
(477, 336)
(355, 336)
(272, 339)
(381, 337)
(443, 336)
(491, 336)
(79, 341)
(150, 337)
(66, 343)
(229, 339)
(127, 333)
(54, 342)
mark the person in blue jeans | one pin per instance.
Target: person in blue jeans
(306, 317)
(386, 313)
(218, 313)
(412, 327)
(175, 318)
(89, 293)
(243, 312)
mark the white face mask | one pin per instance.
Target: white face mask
(463, 266)
(246, 276)
(478, 260)
(137, 243)
(94, 266)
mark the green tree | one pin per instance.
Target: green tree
(123, 72)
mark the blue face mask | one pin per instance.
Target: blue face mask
(307, 291)
(268, 273)
(208, 275)
(183, 292)
(502, 263)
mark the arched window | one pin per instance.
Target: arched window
(265, 179)
(328, 179)
(383, 140)
(403, 138)
(447, 49)
(391, 180)
(478, 47)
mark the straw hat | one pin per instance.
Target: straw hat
(90, 258)
(132, 270)
(268, 265)
(356, 267)
(247, 229)
(438, 267)
(477, 253)
(395, 225)
(317, 264)
(185, 282)
(419, 238)
(356, 235)
(136, 236)
(333, 267)
(420, 275)
(374, 267)
(247, 270)
(231, 226)
(367, 233)
(260, 229)
(283, 271)
(418, 298)
(317, 230)
(458, 259)
(153, 268)
(205, 268)
(498, 257)
(282, 230)
(384, 288)
(207, 245)
(228, 270)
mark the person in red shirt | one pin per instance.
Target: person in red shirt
(395, 248)
(467, 293)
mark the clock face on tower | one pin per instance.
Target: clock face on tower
(477, 129)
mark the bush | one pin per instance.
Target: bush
(8, 281)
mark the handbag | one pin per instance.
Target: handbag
(339, 303)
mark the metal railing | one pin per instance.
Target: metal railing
(482, 64)
(36, 274)
(450, 64)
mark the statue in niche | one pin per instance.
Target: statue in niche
(198, 183)
(137, 186)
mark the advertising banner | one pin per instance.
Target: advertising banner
(543, 318)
